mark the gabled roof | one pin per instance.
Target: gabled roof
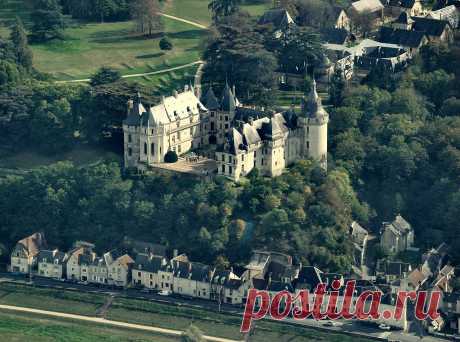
(413, 39)
(416, 278)
(33, 243)
(335, 35)
(450, 13)
(51, 257)
(312, 107)
(363, 6)
(279, 18)
(277, 286)
(148, 263)
(408, 4)
(431, 27)
(228, 102)
(201, 272)
(309, 277)
(404, 18)
(135, 111)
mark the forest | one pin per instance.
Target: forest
(394, 148)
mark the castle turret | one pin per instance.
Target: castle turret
(315, 119)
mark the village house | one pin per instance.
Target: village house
(52, 264)
(118, 268)
(166, 273)
(279, 19)
(23, 258)
(359, 236)
(337, 18)
(393, 8)
(366, 10)
(450, 14)
(228, 288)
(145, 270)
(396, 236)
(451, 307)
(192, 279)
(81, 254)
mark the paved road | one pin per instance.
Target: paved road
(348, 327)
(193, 23)
(163, 71)
(107, 322)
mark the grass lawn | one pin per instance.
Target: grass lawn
(197, 10)
(150, 313)
(90, 46)
(21, 327)
(45, 299)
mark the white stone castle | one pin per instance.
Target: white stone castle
(245, 138)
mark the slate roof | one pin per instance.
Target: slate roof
(404, 18)
(335, 35)
(135, 113)
(413, 39)
(51, 257)
(279, 18)
(148, 263)
(274, 128)
(86, 259)
(228, 101)
(402, 3)
(210, 100)
(431, 27)
(449, 13)
(309, 277)
(277, 286)
(201, 272)
(312, 107)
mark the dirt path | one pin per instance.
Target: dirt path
(107, 322)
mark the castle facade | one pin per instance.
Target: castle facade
(244, 138)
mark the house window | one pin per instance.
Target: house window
(145, 148)
(130, 152)
(308, 144)
(212, 114)
(230, 170)
(138, 274)
(152, 149)
(226, 117)
(130, 138)
(226, 126)
(223, 168)
(223, 157)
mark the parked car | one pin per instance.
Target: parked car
(384, 327)
(164, 293)
(333, 324)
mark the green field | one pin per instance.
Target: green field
(19, 327)
(197, 10)
(141, 312)
(90, 46)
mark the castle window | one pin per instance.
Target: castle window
(179, 149)
(191, 131)
(130, 152)
(178, 135)
(145, 148)
(226, 126)
(242, 157)
(130, 138)
(212, 114)
(152, 149)
(178, 123)
(223, 157)
(230, 170)
(223, 168)
(226, 117)
(191, 119)
(308, 129)
(308, 144)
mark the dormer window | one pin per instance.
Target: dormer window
(188, 109)
(178, 123)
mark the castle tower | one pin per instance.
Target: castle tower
(132, 132)
(314, 120)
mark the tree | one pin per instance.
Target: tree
(146, 15)
(105, 75)
(192, 334)
(47, 20)
(223, 8)
(337, 87)
(21, 47)
(171, 157)
(362, 22)
(165, 44)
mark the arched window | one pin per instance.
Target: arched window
(145, 148)
(152, 149)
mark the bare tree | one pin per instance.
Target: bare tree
(146, 15)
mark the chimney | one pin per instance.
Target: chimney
(186, 87)
(234, 90)
(176, 94)
(251, 120)
(130, 104)
(175, 253)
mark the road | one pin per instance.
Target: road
(193, 23)
(346, 326)
(107, 322)
(163, 71)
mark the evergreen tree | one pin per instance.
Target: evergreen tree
(47, 20)
(105, 75)
(223, 8)
(21, 47)
(337, 87)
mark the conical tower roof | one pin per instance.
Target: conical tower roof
(313, 107)
(228, 99)
(210, 100)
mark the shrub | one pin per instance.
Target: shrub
(171, 157)
(165, 44)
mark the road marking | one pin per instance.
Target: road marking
(108, 322)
